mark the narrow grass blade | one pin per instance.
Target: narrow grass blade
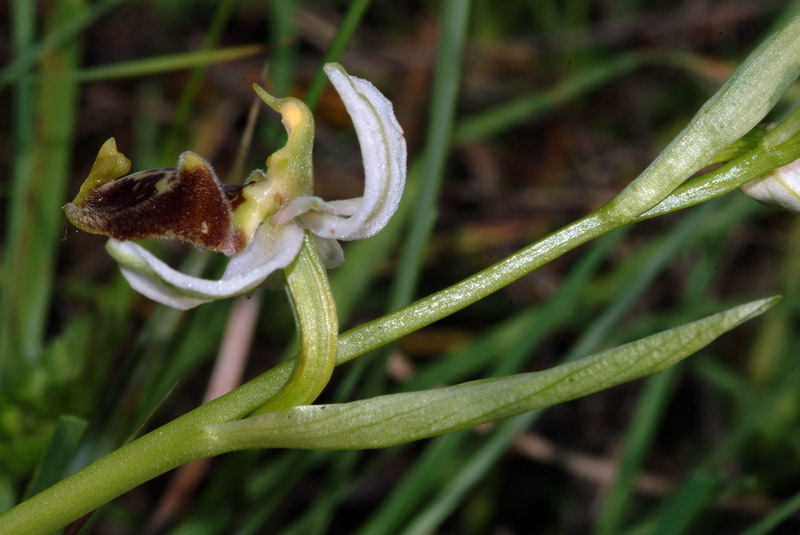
(642, 429)
(222, 15)
(35, 219)
(156, 65)
(344, 33)
(59, 455)
(454, 19)
(767, 525)
(67, 30)
(523, 109)
(431, 516)
(684, 507)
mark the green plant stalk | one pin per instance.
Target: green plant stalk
(380, 331)
(759, 81)
(315, 318)
(183, 440)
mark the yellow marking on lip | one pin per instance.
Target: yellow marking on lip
(164, 185)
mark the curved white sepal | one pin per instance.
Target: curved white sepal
(383, 149)
(330, 251)
(780, 187)
(273, 247)
(300, 206)
(158, 291)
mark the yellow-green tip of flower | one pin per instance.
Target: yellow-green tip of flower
(109, 165)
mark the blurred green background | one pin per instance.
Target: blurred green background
(520, 117)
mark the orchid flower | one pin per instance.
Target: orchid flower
(260, 225)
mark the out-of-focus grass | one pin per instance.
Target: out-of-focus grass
(543, 112)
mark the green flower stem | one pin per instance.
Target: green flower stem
(183, 439)
(108, 477)
(413, 317)
(317, 325)
(783, 132)
(737, 107)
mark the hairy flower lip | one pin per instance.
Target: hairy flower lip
(278, 238)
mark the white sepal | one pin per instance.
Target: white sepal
(383, 149)
(780, 187)
(273, 247)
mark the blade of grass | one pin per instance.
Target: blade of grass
(462, 482)
(23, 14)
(221, 18)
(57, 459)
(156, 65)
(700, 484)
(523, 109)
(415, 487)
(687, 503)
(641, 433)
(35, 220)
(69, 28)
(453, 25)
(454, 19)
(767, 525)
(344, 34)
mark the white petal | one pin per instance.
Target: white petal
(780, 187)
(300, 206)
(273, 247)
(330, 251)
(158, 291)
(383, 149)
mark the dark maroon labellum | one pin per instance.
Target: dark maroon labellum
(188, 204)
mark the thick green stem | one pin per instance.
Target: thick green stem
(112, 475)
(182, 440)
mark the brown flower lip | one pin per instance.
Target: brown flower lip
(187, 203)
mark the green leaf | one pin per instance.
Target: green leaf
(394, 419)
